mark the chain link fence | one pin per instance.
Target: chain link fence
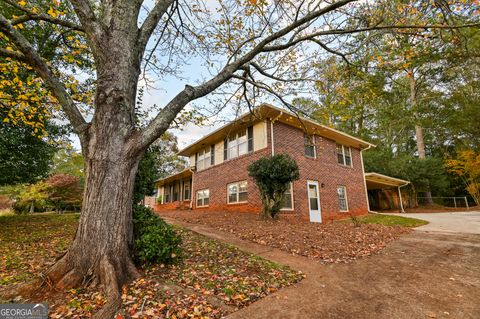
(444, 201)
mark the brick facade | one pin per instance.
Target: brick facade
(324, 169)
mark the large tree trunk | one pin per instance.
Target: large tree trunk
(101, 251)
(418, 131)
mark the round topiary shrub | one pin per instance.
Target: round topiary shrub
(155, 240)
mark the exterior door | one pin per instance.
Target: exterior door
(314, 202)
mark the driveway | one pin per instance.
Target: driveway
(420, 275)
(457, 222)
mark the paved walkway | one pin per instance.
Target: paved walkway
(421, 275)
(457, 222)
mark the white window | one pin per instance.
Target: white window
(288, 199)
(238, 144)
(344, 155)
(342, 198)
(203, 198)
(237, 192)
(204, 158)
(309, 141)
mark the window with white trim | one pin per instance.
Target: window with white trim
(287, 203)
(309, 141)
(344, 155)
(237, 192)
(239, 144)
(203, 198)
(342, 198)
(204, 158)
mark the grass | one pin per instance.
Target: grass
(212, 280)
(388, 220)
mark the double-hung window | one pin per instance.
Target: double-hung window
(344, 155)
(239, 144)
(205, 158)
(342, 198)
(203, 198)
(287, 203)
(237, 192)
(309, 141)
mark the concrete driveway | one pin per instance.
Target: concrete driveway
(457, 222)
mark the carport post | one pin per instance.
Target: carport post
(400, 198)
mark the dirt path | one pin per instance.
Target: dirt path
(421, 275)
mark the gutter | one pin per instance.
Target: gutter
(191, 188)
(271, 131)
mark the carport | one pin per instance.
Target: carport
(377, 181)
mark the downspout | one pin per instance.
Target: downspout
(364, 180)
(271, 132)
(191, 188)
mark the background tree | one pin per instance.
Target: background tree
(273, 176)
(63, 191)
(24, 156)
(467, 166)
(70, 162)
(249, 48)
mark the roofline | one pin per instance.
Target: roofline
(321, 125)
(388, 177)
(164, 178)
(369, 145)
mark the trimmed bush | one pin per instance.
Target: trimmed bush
(155, 240)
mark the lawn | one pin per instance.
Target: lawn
(389, 220)
(212, 280)
(338, 242)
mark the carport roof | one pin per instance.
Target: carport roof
(379, 181)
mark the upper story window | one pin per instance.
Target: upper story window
(238, 144)
(342, 198)
(344, 155)
(237, 192)
(205, 158)
(309, 141)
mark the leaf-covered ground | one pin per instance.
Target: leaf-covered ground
(212, 280)
(328, 243)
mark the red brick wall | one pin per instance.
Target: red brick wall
(216, 179)
(324, 169)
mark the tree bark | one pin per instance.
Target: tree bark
(418, 131)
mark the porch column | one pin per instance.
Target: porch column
(400, 199)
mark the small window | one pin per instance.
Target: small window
(203, 198)
(342, 198)
(200, 160)
(344, 155)
(288, 199)
(309, 141)
(237, 192)
(205, 158)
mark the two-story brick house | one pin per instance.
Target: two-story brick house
(331, 185)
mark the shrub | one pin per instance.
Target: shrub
(273, 176)
(155, 240)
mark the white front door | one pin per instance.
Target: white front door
(314, 202)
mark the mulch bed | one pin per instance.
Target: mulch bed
(337, 242)
(212, 280)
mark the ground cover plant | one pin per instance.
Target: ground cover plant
(212, 279)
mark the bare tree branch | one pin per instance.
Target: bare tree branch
(31, 57)
(151, 22)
